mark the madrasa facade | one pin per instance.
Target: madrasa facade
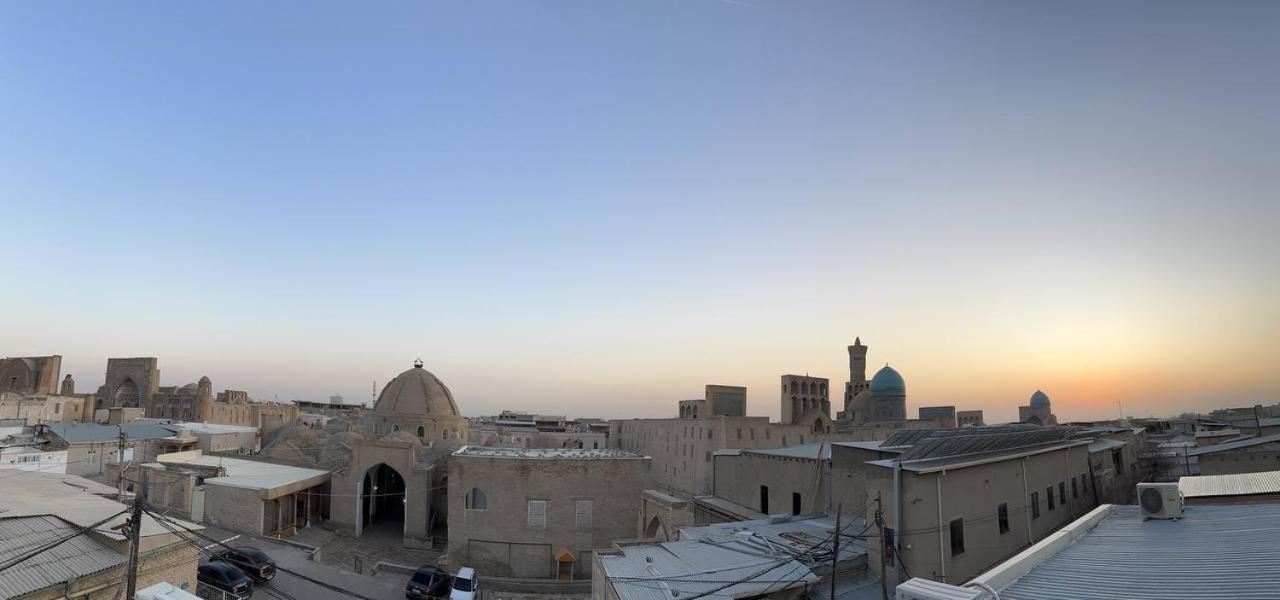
(388, 465)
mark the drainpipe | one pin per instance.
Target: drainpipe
(897, 523)
(942, 552)
(1026, 499)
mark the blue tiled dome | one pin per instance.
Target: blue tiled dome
(1039, 399)
(887, 382)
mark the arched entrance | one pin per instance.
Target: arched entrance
(654, 528)
(382, 500)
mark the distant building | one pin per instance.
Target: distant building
(944, 415)
(792, 480)
(969, 418)
(92, 446)
(31, 448)
(30, 375)
(1237, 488)
(1038, 411)
(718, 400)
(1248, 455)
(803, 398)
(526, 513)
(1114, 552)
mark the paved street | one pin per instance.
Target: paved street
(388, 586)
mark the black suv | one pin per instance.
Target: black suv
(428, 582)
(254, 562)
(230, 581)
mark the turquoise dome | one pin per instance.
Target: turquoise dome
(887, 382)
(1039, 399)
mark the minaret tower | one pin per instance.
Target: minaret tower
(204, 397)
(857, 372)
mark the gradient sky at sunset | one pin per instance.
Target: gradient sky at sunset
(595, 208)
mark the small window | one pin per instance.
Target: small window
(1075, 489)
(538, 513)
(1048, 492)
(957, 537)
(1002, 512)
(795, 503)
(888, 546)
(421, 432)
(711, 434)
(766, 434)
(476, 500)
(764, 499)
(739, 433)
(1084, 484)
(1035, 505)
(1062, 493)
(1118, 459)
(395, 428)
(582, 514)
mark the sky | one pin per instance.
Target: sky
(595, 208)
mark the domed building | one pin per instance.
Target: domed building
(883, 398)
(888, 394)
(416, 402)
(1038, 410)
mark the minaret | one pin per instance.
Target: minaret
(68, 386)
(204, 398)
(857, 362)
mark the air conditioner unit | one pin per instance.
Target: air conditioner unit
(1160, 500)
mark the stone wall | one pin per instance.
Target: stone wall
(237, 509)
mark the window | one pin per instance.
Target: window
(1118, 459)
(764, 499)
(1002, 513)
(582, 514)
(784, 440)
(766, 434)
(1084, 484)
(1062, 493)
(395, 428)
(888, 546)
(475, 500)
(739, 433)
(957, 537)
(795, 503)
(1049, 493)
(1035, 505)
(537, 513)
(711, 434)
(421, 432)
(1075, 492)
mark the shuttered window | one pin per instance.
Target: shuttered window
(582, 514)
(537, 513)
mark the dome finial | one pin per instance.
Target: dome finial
(417, 364)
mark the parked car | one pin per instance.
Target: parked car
(428, 583)
(254, 562)
(465, 585)
(222, 577)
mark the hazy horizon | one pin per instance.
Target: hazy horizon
(597, 208)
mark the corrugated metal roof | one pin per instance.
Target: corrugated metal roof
(1266, 439)
(80, 556)
(1213, 552)
(1236, 484)
(1102, 445)
(691, 567)
(979, 442)
(809, 451)
(85, 433)
(943, 463)
(251, 474)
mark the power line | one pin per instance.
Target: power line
(59, 542)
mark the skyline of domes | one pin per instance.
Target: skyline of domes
(887, 382)
(416, 392)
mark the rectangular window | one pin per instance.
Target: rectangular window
(957, 537)
(795, 503)
(582, 514)
(888, 546)
(711, 434)
(739, 433)
(1002, 513)
(1062, 493)
(537, 513)
(1035, 505)
(764, 499)
(1084, 484)
(1118, 459)
(1048, 492)
(1075, 489)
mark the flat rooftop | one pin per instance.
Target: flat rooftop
(1112, 552)
(275, 480)
(546, 453)
(71, 498)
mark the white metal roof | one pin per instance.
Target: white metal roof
(72, 498)
(247, 473)
(1236, 484)
(1103, 444)
(691, 568)
(545, 453)
(1236, 445)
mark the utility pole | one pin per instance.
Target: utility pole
(884, 585)
(1257, 423)
(135, 533)
(835, 551)
(120, 465)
